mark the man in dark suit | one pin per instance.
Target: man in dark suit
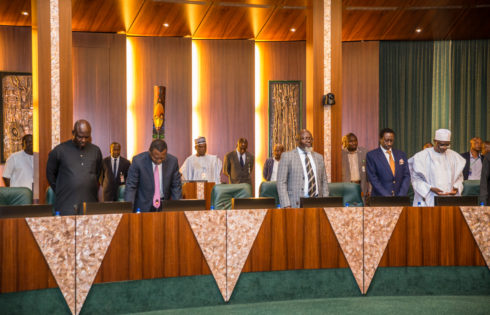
(354, 163)
(387, 168)
(239, 164)
(272, 165)
(153, 177)
(474, 160)
(114, 173)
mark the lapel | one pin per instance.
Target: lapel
(149, 170)
(382, 157)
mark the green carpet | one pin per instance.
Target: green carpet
(420, 305)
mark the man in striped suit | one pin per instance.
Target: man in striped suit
(301, 173)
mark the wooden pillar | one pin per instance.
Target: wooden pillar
(324, 75)
(51, 82)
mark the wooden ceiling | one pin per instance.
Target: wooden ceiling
(271, 20)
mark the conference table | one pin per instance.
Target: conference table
(226, 243)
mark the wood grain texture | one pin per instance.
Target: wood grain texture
(103, 16)
(15, 49)
(279, 25)
(360, 92)
(99, 86)
(189, 191)
(163, 62)
(226, 94)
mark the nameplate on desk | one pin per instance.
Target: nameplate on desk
(253, 203)
(107, 207)
(456, 200)
(26, 211)
(184, 205)
(388, 201)
(321, 202)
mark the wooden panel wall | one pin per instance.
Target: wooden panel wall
(226, 98)
(280, 61)
(99, 86)
(360, 92)
(165, 62)
(15, 49)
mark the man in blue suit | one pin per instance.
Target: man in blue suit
(387, 168)
(153, 177)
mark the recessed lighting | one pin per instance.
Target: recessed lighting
(418, 29)
(165, 24)
(292, 30)
(24, 13)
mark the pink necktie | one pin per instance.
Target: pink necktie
(156, 195)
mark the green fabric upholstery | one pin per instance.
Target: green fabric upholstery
(120, 192)
(471, 188)
(50, 196)
(221, 194)
(269, 189)
(411, 194)
(350, 192)
(10, 196)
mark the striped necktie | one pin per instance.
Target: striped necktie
(311, 177)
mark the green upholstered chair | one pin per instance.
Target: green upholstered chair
(471, 188)
(50, 196)
(411, 193)
(120, 192)
(350, 193)
(10, 196)
(269, 189)
(221, 194)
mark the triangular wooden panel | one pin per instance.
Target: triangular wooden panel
(209, 228)
(379, 224)
(55, 237)
(93, 236)
(242, 228)
(478, 220)
(347, 226)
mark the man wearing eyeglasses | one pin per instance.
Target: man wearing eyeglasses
(301, 173)
(436, 171)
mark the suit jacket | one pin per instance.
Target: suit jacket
(111, 183)
(485, 181)
(380, 176)
(268, 166)
(140, 184)
(466, 170)
(291, 178)
(361, 159)
(234, 170)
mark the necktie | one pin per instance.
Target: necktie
(311, 177)
(156, 195)
(241, 161)
(392, 162)
(114, 168)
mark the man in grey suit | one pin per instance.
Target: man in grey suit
(239, 164)
(354, 163)
(301, 173)
(153, 177)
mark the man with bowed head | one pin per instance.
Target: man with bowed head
(301, 173)
(153, 177)
(202, 166)
(436, 171)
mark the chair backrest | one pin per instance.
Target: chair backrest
(50, 196)
(269, 189)
(120, 192)
(350, 192)
(471, 188)
(221, 194)
(10, 196)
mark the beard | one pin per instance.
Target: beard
(308, 149)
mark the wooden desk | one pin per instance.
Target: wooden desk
(191, 190)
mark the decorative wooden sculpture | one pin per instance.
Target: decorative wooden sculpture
(158, 112)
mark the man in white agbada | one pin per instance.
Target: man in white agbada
(436, 171)
(202, 166)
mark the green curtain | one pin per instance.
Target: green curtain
(470, 92)
(441, 86)
(405, 92)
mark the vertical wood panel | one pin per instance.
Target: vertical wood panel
(360, 92)
(15, 49)
(226, 98)
(414, 236)
(164, 62)
(99, 86)
(262, 244)
(431, 233)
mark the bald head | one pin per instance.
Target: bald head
(81, 133)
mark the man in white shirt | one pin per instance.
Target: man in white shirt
(436, 171)
(202, 166)
(19, 169)
(301, 173)
(272, 165)
(474, 160)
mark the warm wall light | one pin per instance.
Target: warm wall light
(24, 13)
(292, 30)
(130, 84)
(260, 154)
(165, 24)
(418, 29)
(196, 111)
